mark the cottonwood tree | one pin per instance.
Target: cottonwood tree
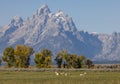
(69, 60)
(80, 61)
(8, 56)
(61, 58)
(89, 63)
(75, 61)
(22, 55)
(43, 59)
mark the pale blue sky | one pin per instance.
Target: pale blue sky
(102, 16)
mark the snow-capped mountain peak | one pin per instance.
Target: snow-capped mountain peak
(59, 13)
(57, 31)
(14, 24)
(16, 21)
(60, 16)
(43, 10)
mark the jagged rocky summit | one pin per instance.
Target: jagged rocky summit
(57, 31)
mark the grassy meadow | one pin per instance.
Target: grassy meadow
(48, 77)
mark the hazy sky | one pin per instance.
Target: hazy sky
(102, 16)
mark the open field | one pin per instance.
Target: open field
(49, 77)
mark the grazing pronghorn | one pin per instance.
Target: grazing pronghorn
(57, 73)
(83, 74)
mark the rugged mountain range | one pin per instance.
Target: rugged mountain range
(57, 31)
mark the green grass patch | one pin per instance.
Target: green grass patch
(50, 78)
